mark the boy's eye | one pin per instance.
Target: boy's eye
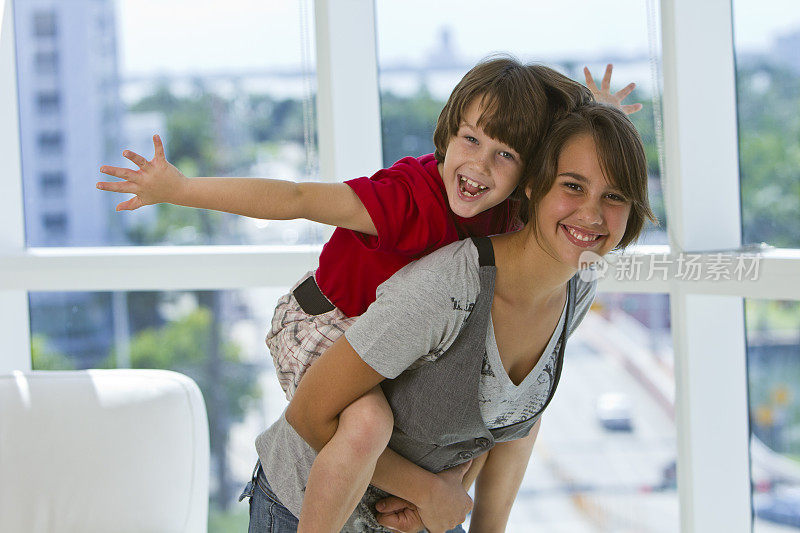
(470, 138)
(507, 155)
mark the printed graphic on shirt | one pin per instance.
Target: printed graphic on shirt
(486, 369)
(461, 306)
(517, 408)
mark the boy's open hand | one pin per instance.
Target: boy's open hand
(156, 180)
(603, 94)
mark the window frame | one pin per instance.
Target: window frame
(713, 451)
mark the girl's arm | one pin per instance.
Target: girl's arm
(158, 181)
(499, 481)
(335, 380)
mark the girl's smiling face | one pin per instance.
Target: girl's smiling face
(582, 210)
(478, 172)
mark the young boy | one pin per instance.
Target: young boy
(485, 137)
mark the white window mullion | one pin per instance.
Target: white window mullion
(703, 212)
(14, 318)
(348, 100)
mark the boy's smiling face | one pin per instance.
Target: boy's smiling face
(479, 172)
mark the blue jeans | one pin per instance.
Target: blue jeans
(267, 513)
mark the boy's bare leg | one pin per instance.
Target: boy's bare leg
(344, 467)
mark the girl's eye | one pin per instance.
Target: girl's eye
(617, 198)
(571, 185)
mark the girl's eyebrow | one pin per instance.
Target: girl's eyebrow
(576, 176)
(584, 179)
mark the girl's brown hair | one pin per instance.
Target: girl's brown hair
(621, 155)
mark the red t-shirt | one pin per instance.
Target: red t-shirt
(408, 205)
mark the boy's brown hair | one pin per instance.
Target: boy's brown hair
(621, 155)
(519, 103)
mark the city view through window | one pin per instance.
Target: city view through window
(240, 101)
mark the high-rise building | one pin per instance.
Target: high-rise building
(70, 118)
(70, 122)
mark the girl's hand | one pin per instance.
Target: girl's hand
(604, 96)
(155, 182)
(446, 507)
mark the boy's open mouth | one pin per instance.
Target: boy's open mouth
(470, 188)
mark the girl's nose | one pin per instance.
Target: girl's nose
(591, 212)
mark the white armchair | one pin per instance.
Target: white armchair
(102, 451)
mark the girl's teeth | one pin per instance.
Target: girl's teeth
(582, 237)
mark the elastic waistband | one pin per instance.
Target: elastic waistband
(311, 299)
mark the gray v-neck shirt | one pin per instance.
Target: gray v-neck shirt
(421, 309)
(418, 314)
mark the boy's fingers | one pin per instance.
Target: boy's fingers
(138, 160)
(631, 108)
(117, 186)
(625, 91)
(119, 172)
(396, 521)
(392, 504)
(130, 205)
(606, 83)
(589, 80)
(159, 146)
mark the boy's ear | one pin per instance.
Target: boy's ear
(528, 191)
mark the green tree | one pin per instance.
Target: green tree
(44, 357)
(769, 152)
(407, 124)
(192, 345)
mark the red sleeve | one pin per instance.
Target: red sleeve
(409, 212)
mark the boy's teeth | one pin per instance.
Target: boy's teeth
(582, 237)
(473, 183)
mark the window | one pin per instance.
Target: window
(773, 360)
(51, 142)
(52, 184)
(173, 330)
(764, 217)
(46, 63)
(45, 24)
(767, 36)
(417, 75)
(55, 224)
(48, 103)
(221, 104)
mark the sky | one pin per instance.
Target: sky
(201, 35)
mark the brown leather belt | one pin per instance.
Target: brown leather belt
(311, 299)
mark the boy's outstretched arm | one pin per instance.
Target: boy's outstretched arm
(158, 181)
(603, 94)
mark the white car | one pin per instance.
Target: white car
(614, 411)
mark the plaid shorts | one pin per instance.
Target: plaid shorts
(296, 339)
